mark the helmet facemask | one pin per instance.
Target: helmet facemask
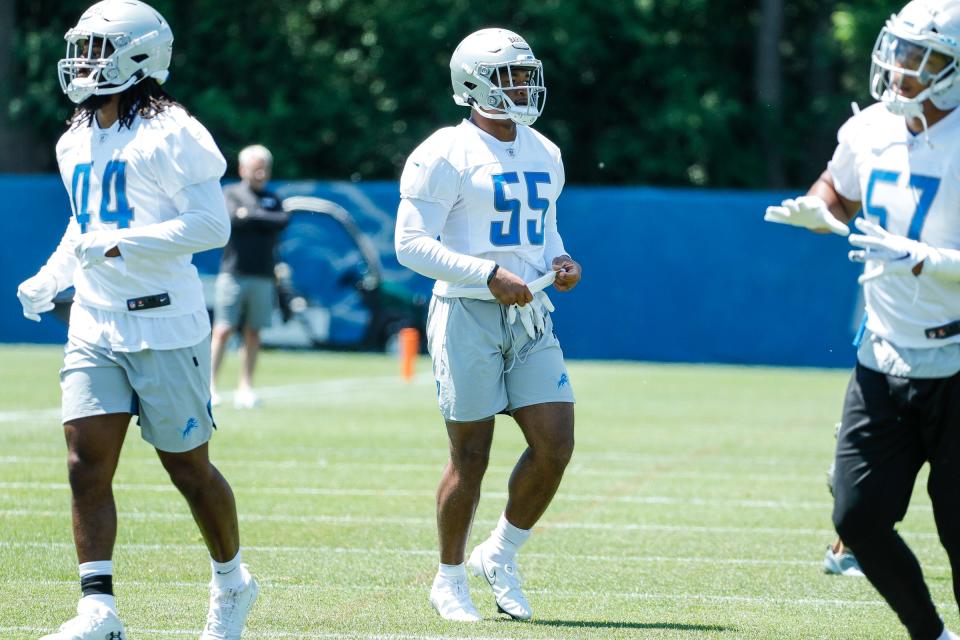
(83, 72)
(926, 58)
(509, 95)
(115, 45)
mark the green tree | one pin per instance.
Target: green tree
(658, 92)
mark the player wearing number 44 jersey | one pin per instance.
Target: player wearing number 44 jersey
(143, 179)
(899, 161)
(488, 188)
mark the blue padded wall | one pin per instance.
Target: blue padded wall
(669, 275)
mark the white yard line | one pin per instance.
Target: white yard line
(375, 551)
(788, 505)
(318, 635)
(417, 588)
(27, 416)
(313, 391)
(379, 551)
(149, 516)
(309, 390)
(575, 469)
(659, 462)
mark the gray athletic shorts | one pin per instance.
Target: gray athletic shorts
(484, 365)
(244, 301)
(169, 390)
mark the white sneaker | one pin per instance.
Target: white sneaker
(841, 564)
(215, 399)
(229, 609)
(245, 399)
(451, 599)
(505, 582)
(93, 623)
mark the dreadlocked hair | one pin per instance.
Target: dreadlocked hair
(146, 99)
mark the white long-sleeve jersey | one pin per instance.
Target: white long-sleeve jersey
(490, 202)
(156, 185)
(910, 185)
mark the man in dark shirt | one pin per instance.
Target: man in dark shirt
(245, 286)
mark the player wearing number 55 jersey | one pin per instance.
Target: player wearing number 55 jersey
(899, 161)
(143, 180)
(488, 189)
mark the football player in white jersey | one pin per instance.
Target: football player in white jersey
(899, 161)
(144, 183)
(488, 189)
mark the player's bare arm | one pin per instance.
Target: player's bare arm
(842, 209)
(509, 288)
(568, 272)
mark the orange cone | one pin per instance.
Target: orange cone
(409, 339)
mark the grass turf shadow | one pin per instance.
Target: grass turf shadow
(607, 624)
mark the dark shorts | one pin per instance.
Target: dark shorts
(244, 300)
(892, 426)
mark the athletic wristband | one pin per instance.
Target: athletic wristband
(493, 272)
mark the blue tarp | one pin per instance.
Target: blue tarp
(669, 274)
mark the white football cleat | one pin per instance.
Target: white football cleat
(229, 609)
(91, 623)
(451, 599)
(841, 564)
(505, 582)
(245, 399)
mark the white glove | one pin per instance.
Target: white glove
(895, 255)
(36, 295)
(532, 315)
(92, 247)
(809, 212)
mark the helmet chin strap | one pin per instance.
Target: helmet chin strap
(96, 89)
(524, 119)
(492, 115)
(912, 108)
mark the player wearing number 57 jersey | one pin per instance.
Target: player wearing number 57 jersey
(143, 180)
(488, 189)
(899, 161)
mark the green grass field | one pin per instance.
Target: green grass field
(695, 507)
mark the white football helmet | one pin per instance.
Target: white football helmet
(115, 45)
(481, 71)
(904, 47)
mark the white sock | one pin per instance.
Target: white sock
(455, 572)
(946, 635)
(97, 600)
(505, 540)
(226, 575)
